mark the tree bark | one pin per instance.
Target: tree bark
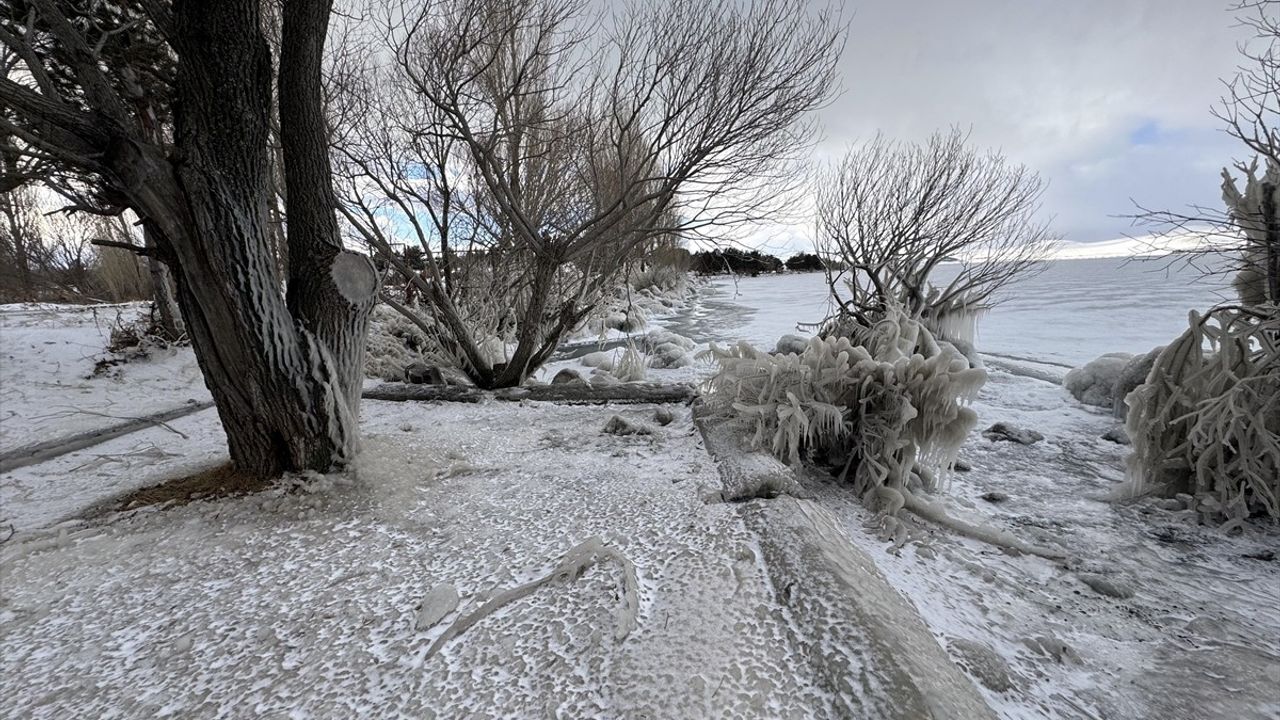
(163, 295)
(331, 290)
(1271, 241)
(277, 383)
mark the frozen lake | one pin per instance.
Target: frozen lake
(1071, 313)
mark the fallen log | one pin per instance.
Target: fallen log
(49, 449)
(568, 393)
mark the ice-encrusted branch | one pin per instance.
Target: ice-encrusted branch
(575, 562)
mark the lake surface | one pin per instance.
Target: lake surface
(1071, 313)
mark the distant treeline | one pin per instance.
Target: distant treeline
(750, 262)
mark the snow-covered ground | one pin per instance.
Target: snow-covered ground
(1138, 245)
(48, 384)
(1199, 636)
(324, 600)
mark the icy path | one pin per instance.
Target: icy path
(1200, 636)
(47, 387)
(304, 603)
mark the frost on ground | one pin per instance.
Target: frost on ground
(1152, 615)
(67, 486)
(48, 384)
(311, 601)
(324, 600)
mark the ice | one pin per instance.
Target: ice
(303, 600)
(1073, 312)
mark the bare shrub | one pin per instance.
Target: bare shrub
(1242, 237)
(534, 162)
(122, 275)
(889, 213)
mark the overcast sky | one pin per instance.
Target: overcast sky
(1107, 99)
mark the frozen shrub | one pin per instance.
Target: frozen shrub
(1095, 382)
(664, 279)
(790, 345)
(626, 319)
(886, 408)
(1207, 420)
(667, 349)
(660, 336)
(631, 367)
(669, 355)
(394, 343)
(598, 359)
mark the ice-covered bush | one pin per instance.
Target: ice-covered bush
(668, 350)
(887, 407)
(631, 366)
(1207, 421)
(790, 344)
(394, 343)
(663, 278)
(1094, 383)
(1134, 374)
(598, 359)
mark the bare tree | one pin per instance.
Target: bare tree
(1241, 238)
(20, 245)
(284, 374)
(889, 213)
(531, 158)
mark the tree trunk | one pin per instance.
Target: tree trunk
(279, 383)
(531, 324)
(163, 295)
(332, 290)
(12, 204)
(1271, 241)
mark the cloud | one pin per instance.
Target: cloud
(1108, 100)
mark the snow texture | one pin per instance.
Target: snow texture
(48, 384)
(305, 601)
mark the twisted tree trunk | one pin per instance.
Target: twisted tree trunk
(284, 376)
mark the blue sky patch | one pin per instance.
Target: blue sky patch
(1148, 133)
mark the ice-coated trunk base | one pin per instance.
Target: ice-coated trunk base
(288, 399)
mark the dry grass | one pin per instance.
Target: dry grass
(213, 483)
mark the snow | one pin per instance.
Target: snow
(67, 486)
(1198, 639)
(321, 598)
(1094, 383)
(1126, 247)
(47, 383)
(305, 600)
